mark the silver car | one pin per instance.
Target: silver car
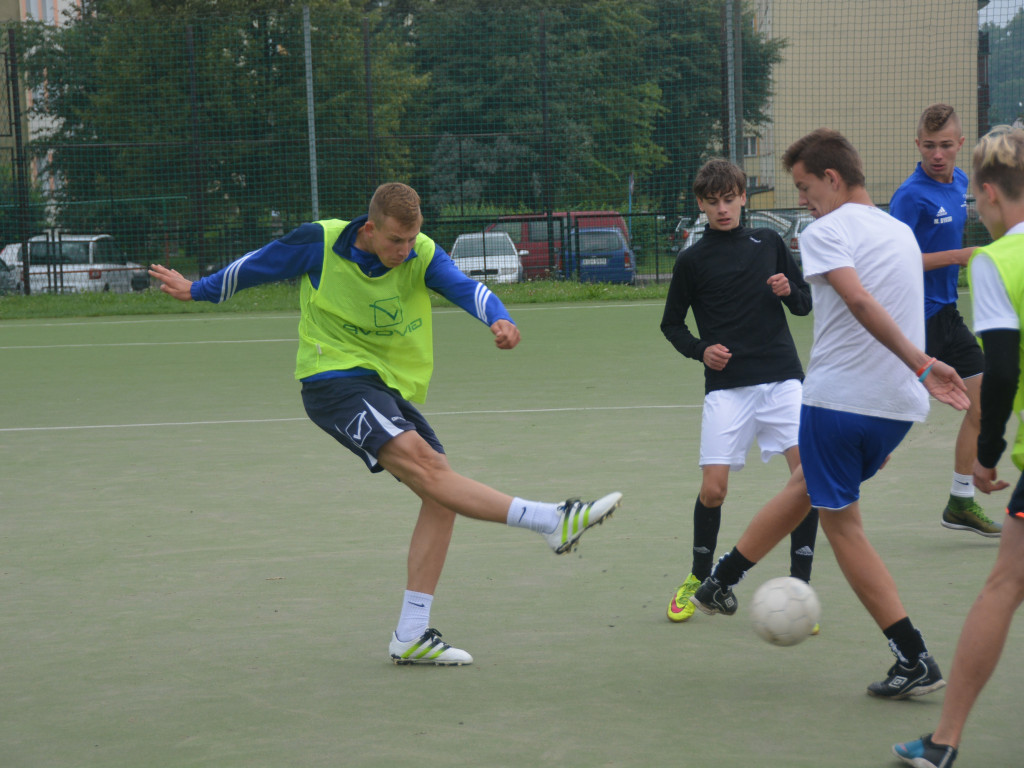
(8, 279)
(490, 257)
(77, 264)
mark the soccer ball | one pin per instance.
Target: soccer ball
(785, 610)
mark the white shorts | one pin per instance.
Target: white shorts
(734, 417)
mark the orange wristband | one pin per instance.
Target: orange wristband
(924, 367)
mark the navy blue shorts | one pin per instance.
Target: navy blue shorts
(840, 450)
(362, 413)
(950, 340)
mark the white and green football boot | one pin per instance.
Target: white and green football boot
(428, 648)
(576, 517)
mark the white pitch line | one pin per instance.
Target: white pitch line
(66, 428)
(256, 316)
(291, 340)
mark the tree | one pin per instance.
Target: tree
(684, 59)
(1006, 70)
(485, 109)
(191, 121)
(10, 214)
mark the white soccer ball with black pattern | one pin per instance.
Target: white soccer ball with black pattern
(785, 611)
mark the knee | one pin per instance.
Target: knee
(712, 495)
(413, 461)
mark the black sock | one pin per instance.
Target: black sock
(906, 641)
(801, 546)
(706, 523)
(731, 568)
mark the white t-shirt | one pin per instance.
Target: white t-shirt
(989, 300)
(850, 370)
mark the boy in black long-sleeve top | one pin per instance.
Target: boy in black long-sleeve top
(736, 281)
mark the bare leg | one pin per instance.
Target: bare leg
(861, 564)
(776, 519)
(984, 634)
(967, 438)
(428, 548)
(714, 484)
(428, 474)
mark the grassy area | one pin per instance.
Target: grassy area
(284, 297)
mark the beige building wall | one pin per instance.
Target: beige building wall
(868, 68)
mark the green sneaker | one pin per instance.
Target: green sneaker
(681, 609)
(965, 514)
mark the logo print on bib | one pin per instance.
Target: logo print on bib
(387, 312)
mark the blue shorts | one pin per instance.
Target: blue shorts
(362, 413)
(840, 450)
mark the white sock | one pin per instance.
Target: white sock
(963, 486)
(535, 515)
(415, 616)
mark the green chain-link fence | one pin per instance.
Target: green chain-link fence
(195, 138)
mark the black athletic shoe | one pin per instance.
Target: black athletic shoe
(925, 753)
(903, 682)
(711, 597)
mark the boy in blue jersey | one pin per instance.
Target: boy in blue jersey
(365, 351)
(933, 203)
(997, 279)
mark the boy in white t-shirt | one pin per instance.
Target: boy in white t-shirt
(997, 283)
(861, 395)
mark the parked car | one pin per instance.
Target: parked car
(769, 220)
(695, 231)
(77, 264)
(793, 236)
(680, 233)
(530, 233)
(782, 222)
(8, 280)
(490, 257)
(601, 255)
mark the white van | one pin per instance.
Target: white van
(76, 264)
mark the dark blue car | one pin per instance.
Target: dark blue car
(600, 255)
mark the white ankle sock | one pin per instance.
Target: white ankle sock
(415, 616)
(963, 486)
(535, 515)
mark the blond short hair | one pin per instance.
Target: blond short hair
(397, 200)
(998, 159)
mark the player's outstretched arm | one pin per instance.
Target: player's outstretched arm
(506, 334)
(172, 282)
(945, 385)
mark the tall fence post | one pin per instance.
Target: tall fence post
(20, 171)
(371, 149)
(732, 68)
(546, 120)
(314, 186)
(198, 196)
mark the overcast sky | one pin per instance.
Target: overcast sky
(999, 11)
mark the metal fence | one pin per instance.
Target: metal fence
(192, 140)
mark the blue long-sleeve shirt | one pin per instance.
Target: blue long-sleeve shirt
(301, 252)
